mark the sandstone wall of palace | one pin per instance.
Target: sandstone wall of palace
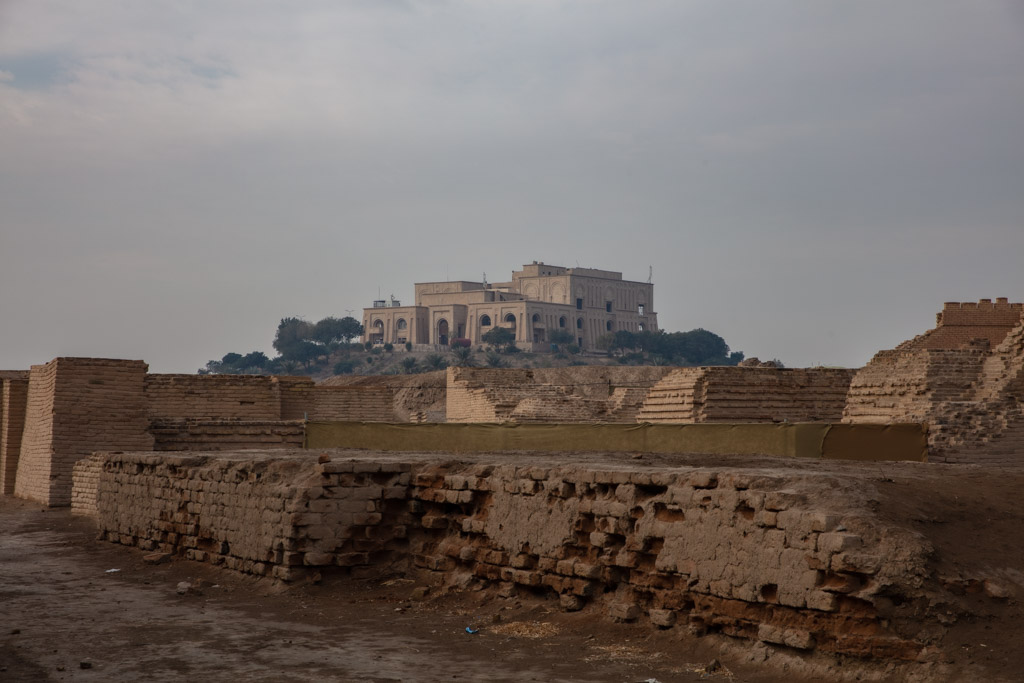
(776, 558)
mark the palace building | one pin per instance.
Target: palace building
(585, 301)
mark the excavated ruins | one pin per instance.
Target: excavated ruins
(850, 567)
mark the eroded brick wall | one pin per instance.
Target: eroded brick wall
(748, 394)
(770, 557)
(577, 394)
(76, 406)
(968, 390)
(13, 401)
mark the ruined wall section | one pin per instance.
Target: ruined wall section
(278, 516)
(76, 406)
(965, 379)
(578, 394)
(13, 403)
(778, 558)
(748, 394)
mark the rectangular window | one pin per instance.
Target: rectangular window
(608, 306)
(640, 309)
(579, 304)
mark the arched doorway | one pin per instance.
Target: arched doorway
(510, 321)
(442, 332)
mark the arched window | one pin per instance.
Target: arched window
(485, 320)
(536, 317)
(511, 318)
(608, 326)
(641, 327)
(561, 321)
(579, 323)
(401, 325)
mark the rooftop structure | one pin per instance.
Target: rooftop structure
(584, 301)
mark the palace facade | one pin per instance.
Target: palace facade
(585, 301)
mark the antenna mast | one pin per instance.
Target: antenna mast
(650, 274)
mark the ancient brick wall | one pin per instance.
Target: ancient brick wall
(76, 406)
(960, 324)
(577, 394)
(353, 403)
(249, 512)
(252, 397)
(225, 435)
(748, 394)
(86, 483)
(769, 557)
(13, 401)
(970, 393)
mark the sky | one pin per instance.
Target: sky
(810, 180)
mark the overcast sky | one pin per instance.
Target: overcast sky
(810, 180)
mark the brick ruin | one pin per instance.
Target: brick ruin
(811, 556)
(748, 394)
(965, 379)
(595, 393)
(781, 556)
(58, 413)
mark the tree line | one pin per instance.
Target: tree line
(298, 343)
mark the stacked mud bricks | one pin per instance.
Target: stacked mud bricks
(59, 413)
(13, 398)
(740, 552)
(965, 378)
(76, 406)
(253, 512)
(742, 394)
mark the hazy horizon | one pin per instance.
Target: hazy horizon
(810, 181)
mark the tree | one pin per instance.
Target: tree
(436, 361)
(463, 356)
(409, 365)
(345, 367)
(560, 336)
(291, 332)
(256, 359)
(500, 337)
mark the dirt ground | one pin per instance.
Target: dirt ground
(62, 609)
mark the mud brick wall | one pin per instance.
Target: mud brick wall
(295, 396)
(743, 554)
(255, 512)
(251, 397)
(959, 324)
(353, 403)
(769, 557)
(748, 394)
(76, 406)
(225, 435)
(86, 483)
(970, 393)
(13, 400)
(579, 394)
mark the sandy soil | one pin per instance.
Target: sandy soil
(61, 609)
